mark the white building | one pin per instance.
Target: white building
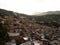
(13, 34)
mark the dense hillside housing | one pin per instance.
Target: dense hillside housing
(22, 30)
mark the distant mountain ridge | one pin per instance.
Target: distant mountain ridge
(49, 16)
(45, 13)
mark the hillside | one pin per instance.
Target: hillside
(46, 17)
(50, 18)
(16, 26)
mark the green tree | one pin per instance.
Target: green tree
(3, 34)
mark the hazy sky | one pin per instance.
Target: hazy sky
(30, 6)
